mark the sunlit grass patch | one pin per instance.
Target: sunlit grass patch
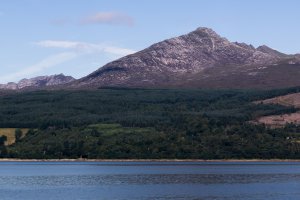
(10, 134)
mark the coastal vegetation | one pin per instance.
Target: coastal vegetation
(146, 123)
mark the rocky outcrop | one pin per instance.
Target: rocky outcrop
(274, 53)
(38, 82)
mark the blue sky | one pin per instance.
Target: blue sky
(76, 37)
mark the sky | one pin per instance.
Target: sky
(76, 37)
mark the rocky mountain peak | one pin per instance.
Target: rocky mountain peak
(180, 59)
(206, 32)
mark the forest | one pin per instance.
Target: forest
(120, 123)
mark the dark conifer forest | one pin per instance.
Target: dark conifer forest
(115, 123)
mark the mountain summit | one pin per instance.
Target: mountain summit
(199, 59)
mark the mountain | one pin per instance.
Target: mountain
(38, 82)
(200, 59)
(272, 52)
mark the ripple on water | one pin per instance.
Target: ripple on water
(144, 179)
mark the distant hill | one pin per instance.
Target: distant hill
(200, 59)
(38, 82)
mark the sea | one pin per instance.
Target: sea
(149, 180)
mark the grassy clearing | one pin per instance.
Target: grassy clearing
(286, 100)
(279, 121)
(114, 129)
(10, 134)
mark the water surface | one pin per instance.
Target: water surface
(149, 180)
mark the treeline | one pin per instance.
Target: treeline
(147, 123)
(129, 107)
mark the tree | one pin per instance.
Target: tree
(3, 139)
(18, 134)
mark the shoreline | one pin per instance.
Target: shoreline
(150, 160)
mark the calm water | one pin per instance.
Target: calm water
(143, 181)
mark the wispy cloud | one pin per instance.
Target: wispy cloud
(84, 47)
(75, 49)
(114, 18)
(48, 62)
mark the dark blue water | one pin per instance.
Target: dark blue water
(149, 180)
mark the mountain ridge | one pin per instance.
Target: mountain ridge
(38, 82)
(197, 60)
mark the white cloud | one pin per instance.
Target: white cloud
(64, 44)
(48, 62)
(76, 49)
(117, 50)
(84, 47)
(115, 18)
